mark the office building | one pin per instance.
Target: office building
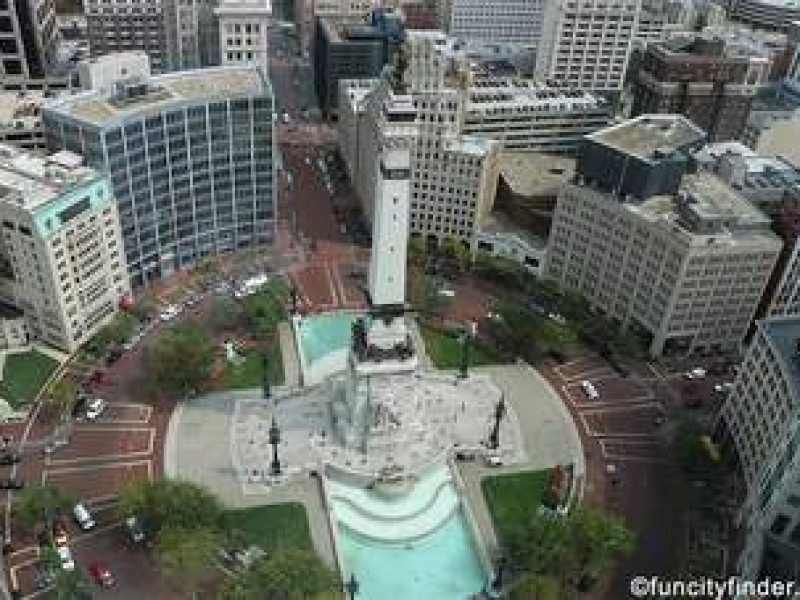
(62, 267)
(503, 21)
(770, 15)
(124, 25)
(21, 120)
(190, 157)
(759, 425)
(192, 34)
(351, 51)
(703, 78)
(243, 26)
(680, 260)
(28, 39)
(586, 44)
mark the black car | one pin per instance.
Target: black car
(113, 356)
(11, 484)
(9, 458)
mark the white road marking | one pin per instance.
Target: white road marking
(100, 458)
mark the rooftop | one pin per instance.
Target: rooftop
(711, 198)
(532, 174)
(32, 181)
(650, 137)
(162, 92)
(499, 92)
(21, 109)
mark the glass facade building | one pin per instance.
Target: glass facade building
(190, 157)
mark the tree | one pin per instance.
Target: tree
(38, 504)
(225, 314)
(597, 541)
(540, 545)
(290, 574)
(182, 359)
(61, 396)
(116, 333)
(536, 587)
(186, 556)
(417, 247)
(67, 585)
(170, 503)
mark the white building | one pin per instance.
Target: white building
(243, 28)
(502, 21)
(586, 44)
(103, 73)
(759, 421)
(21, 119)
(61, 258)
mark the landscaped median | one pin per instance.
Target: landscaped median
(444, 347)
(273, 527)
(514, 498)
(24, 374)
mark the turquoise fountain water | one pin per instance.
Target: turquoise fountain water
(321, 335)
(413, 547)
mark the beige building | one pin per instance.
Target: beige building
(688, 269)
(61, 258)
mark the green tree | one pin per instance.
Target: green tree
(597, 541)
(186, 556)
(61, 396)
(289, 574)
(182, 359)
(38, 504)
(67, 585)
(116, 333)
(536, 587)
(266, 309)
(171, 503)
(417, 247)
(540, 545)
(225, 314)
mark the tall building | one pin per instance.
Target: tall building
(190, 156)
(192, 34)
(28, 39)
(243, 26)
(351, 51)
(123, 25)
(759, 422)
(62, 267)
(21, 120)
(771, 15)
(586, 44)
(703, 78)
(679, 257)
(503, 21)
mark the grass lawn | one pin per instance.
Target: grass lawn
(23, 375)
(513, 498)
(274, 527)
(444, 349)
(249, 375)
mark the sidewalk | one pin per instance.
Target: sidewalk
(291, 361)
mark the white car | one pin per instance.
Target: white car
(65, 555)
(696, 373)
(95, 408)
(170, 313)
(721, 388)
(492, 460)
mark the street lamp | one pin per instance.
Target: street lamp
(274, 440)
(265, 376)
(465, 339)
(351, 587)
(499, 413)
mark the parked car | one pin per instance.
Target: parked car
(65, 554)
(135, 529)
(83, 517)
(101, 574)
(9, 458)
(696, 373)
(95, 408)
(722, 388)
(590, 390)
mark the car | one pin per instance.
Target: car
(83, 517)
(696, 373)
(113, 356)
(65, 554)
(169, 313)
(9, 458)
(60, 535)
(724, 387)
(11, 484)
(135, 529)
(590, 390)
(101, 574)
(493, 460)
(95, 408)
(79, 408)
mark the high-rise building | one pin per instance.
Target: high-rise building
(586, 44)
(351, 51)
(193, 34)
(759, 425)
(190, 156)
(703, 78)
(681, 258)
(122, 25)
(243, 26)
(503, 21)
(62, 266)
(771, 15)
(28, 39)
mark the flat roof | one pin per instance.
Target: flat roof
(21, 107)
(535, 174)
(164, 91)
(647, 135)
(712, 198)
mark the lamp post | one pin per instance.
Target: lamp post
(465, 339)
(265, 377)
(499, 413)
(274, 440)
(351, 586)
